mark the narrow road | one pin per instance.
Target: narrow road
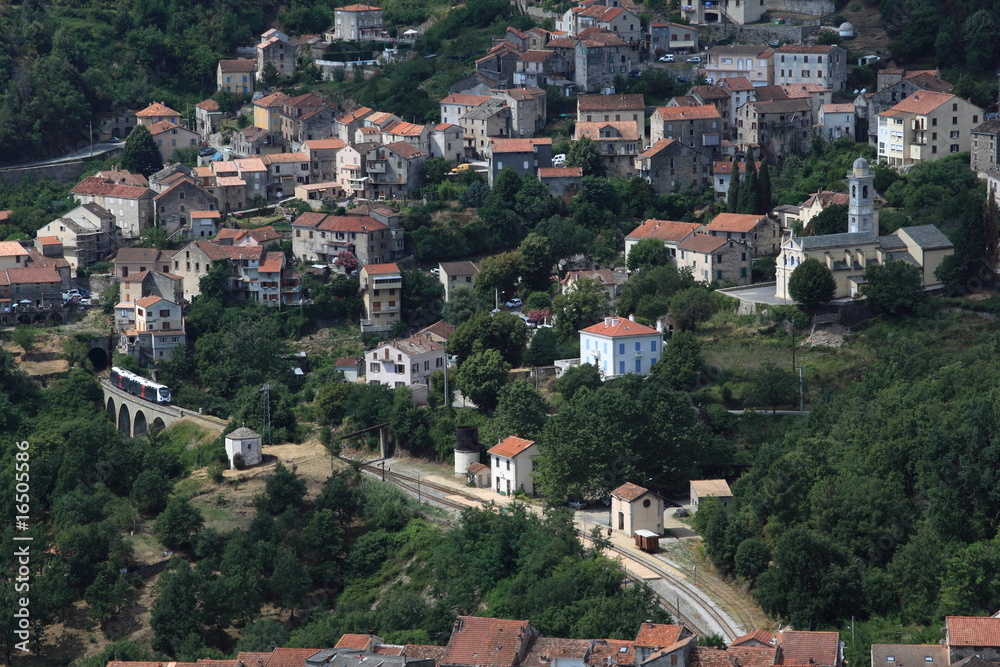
(686, 601)
(84, 153)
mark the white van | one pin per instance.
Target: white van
(559, 160)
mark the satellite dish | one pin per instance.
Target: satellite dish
(856, 91)
(864, 90)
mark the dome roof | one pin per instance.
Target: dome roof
(860, 163)
(846, 29)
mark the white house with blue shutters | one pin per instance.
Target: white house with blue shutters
(618, 346)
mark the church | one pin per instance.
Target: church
(848, 255)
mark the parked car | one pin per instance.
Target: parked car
(694, 59)
(683, 79)
(669, 58)
(462, 168)
(774, 42)
(71, 294)
(681, 511)
(635, 74)
(559, 160)
(435, 271)
(205, 152)
(578, 504)
(514, 303)
(114, 140)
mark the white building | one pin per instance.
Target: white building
(825, 65)
(159, 329)
(405, 362)
(635, 508)
(246, 444)
(837, 121)
(618, 346)
(512, 467)
(709, 488)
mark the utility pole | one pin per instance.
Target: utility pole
(791, 325)
(267, 411)
(802, 404)
(90, 131)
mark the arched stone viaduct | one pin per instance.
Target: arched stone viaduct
(134, 416)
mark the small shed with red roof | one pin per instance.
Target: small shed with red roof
(635, 508)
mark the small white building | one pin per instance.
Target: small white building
(512, 466)
(401, 363)
(246, 444)
(479, 475)
(837, 121)
(349, 367)
(636, 508)
(709, 488)
(618, 346)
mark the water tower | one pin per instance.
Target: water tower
(467, 449)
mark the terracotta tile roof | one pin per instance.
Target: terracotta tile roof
(687, 642)
(806, 48)
(377, 269)
(212, 251)
(922, 102)
(388, 649)
(5, 215)
(757, 637)
(700, 112)
(11, 249)
(353, 115)
(704, 656)
(610, 102)
(49, 240)
(252, 164)
(479, 467)
(440, 328)
(309, 219)
(290, 657)
(804, 89)
(827, 198)
(138, 255)
(359, 8)
(929, 80)
(229, 181)
(599, 38)
(321, 144)
(737, 84)
(282, 158)
(123, 177)
(560, 172)
(685, 101)
(710, 92)
(94, 186)
(425, 652)
(356, 641)
(273, 263)
(627, 130)
(605, 652)
(561, 43)
(205, 214)
(535, 56)
(351, 223)
(809, 648)
(240, 65)
(657, 147)
(655, 635)
(619, 326)
(416, 345)
(404, 150)
(162, 126)
(606, 276)
(441, 127)
(511, 447)
(486, 641)
(404, 129)
(150, 663)
(157, 109)
(630, 492)
(517, 145)
(702, 243)
(972, 631)
(274, 99)
(665, 230)
(837, 108)
(147, 301)
(459, 268)
(253, 658)
(759, 50)
(208, 105)
(41, 274)
(717, 488)
(781, 106)
(546, 650)
(734, 222)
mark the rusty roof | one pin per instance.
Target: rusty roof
(357, 641)
(756, 638)
(560, 172)
(425, 652)
(973, 631)
(655, 635)
(240, 65)
(734, 222)
(809, 647)
(486, 641)
(378, 269)
(40, 274)
(517, 145)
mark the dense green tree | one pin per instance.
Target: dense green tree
(499, 274)
(894, 288)
(290, 582)
(504, 332)
(749, 189)
(691, 307)
(475, 195)
(585, 153)
(948, 45)
(536, 258)
(263, 636)
(771, 386)
(533, 201)
(435, 170)
(981, 33)
(764, 195)
(409, 424)
(175, 613)
(648, 293)
(141, 155)
(752, 558)
(648, 254)
(481, 377)
(331, 400)
(543, 349)
(920, 31)
(585, 304)
(831, 220)
(811, 283)
(284, 490)
(422, 298)
(521, 411)
(150, 491)
(464, 302)
(576, 378)
(735, 184)
(681, 362)
(178, 523)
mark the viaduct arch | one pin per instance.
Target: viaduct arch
(134, 416)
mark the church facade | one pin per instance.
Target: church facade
(848, 255)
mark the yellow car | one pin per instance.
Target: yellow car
(462, 168)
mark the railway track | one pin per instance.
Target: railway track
(440, 494)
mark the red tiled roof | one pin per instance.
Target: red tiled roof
(425, 652)
(510, 448)
(809, 648)
(517, 145)
(290, 657)
(606, 652)
(665, 230)
(560, 172)
(806, 48)
(274, 99)
(43, 274)
(374, 269)
(654, 635)
(626, 130)
(702, 243)
(763, 637)
(973, 631)
(95, 186)
(208, 105)
(355, 641)
(630, 492)
(11, 249)
(273, 263)
(441, 328)
(49, 240)
(359, 8)
(734, 222)
(351, 223)
(737, 83)
(486, 641)
(157, 109)
(147, 301)
(404, 150)
(479, 467)
(253, 658)
(726, 166)
(735, 656)
(700, 112)
(619, 326)
(319, 144)
(922, 102)
(240, 65)
(545, 651)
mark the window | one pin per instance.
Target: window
(416, 368)
(652, 346)
(164, 313)
(954, 120)
(439, 362)
(646, 503)
(890, 658)
(954, 134)
(373, 367)
(953, 148)
(621, 368)
(621, 348)
(933, 122)
(638, 365)
(427, 365)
